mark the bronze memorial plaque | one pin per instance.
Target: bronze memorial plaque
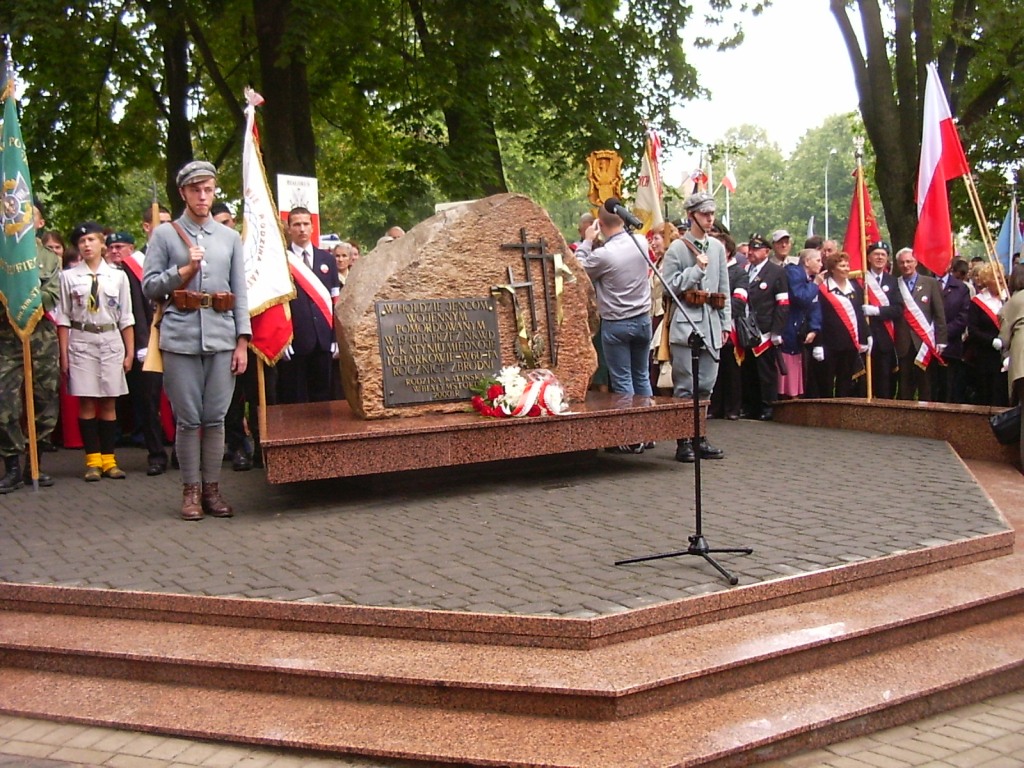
(435, 350)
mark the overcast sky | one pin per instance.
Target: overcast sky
(791, 72)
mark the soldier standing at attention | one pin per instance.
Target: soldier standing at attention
(196, 268)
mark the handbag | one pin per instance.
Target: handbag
(747, 333)
(1006, 425)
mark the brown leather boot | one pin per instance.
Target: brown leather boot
(191, 509)
(213, 503)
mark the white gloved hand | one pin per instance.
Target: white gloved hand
(940, 348)
(288, 352)
(997, 343)
(818, 353)
(864, 348)
(140, 354)
(870, 310)
(334, 350)
(776, 340)
(1006, 365)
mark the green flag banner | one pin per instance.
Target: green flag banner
(19, 273)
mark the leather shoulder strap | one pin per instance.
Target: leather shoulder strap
(181, 234)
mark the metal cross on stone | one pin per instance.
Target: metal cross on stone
(538, 252)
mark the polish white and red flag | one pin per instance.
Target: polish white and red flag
(268, 278)
(942, 159)
(729, 180)
(649, 193)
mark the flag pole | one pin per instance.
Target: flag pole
(30, 412)
(261, 413)
(986, 235)
(728, 212)
(858, 152)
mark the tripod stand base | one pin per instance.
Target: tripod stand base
(699, 547)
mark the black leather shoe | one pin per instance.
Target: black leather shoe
(708, 451)
(155, 469)
(240, 461)
(766, 415)
(684, 451)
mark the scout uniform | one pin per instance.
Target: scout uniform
(94, 308)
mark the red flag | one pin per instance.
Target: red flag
(857, 240)
(942, 159)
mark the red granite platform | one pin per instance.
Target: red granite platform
(964, 427)
(320, 440)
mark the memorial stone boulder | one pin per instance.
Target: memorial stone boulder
(476, 287)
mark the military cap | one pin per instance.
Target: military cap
(195, 170)
(120, 237)
(83, 229)
(757, 241)
(880, 245)
(700, 202)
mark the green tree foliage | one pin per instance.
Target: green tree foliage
(393, 104)
(776, 192)
(979, 50)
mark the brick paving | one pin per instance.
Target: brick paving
(541, 541)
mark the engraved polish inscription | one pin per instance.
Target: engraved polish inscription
(435, 350)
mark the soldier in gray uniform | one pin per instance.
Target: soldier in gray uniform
(195, 267)
(695, 270)
(45, 375)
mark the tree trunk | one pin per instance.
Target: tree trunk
(287, 136)
(475, 168)
(171, 24)
(892, 127)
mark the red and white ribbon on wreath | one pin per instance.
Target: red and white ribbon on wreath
(544, 391)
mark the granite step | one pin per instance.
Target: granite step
(734, 727)
(606, 683)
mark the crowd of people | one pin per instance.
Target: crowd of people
(773, 325)
(149, 346)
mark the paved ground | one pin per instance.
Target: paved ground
(380, 542)
(540, 542)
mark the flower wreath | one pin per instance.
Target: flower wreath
(511, 394)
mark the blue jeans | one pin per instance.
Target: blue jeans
(627, 345)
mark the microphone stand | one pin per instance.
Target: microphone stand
(698, 545)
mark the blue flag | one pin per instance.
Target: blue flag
(1009, 240)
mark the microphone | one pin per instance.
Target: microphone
(614, 205)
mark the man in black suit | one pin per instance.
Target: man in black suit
(921, 332)
(883, 311)
(307, 367)
(768, 298)
(949, 384)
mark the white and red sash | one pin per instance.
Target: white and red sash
(878, 298)
(923, 329)
(133, 263)
(844, 309)
(311, 286)
(992, 314)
